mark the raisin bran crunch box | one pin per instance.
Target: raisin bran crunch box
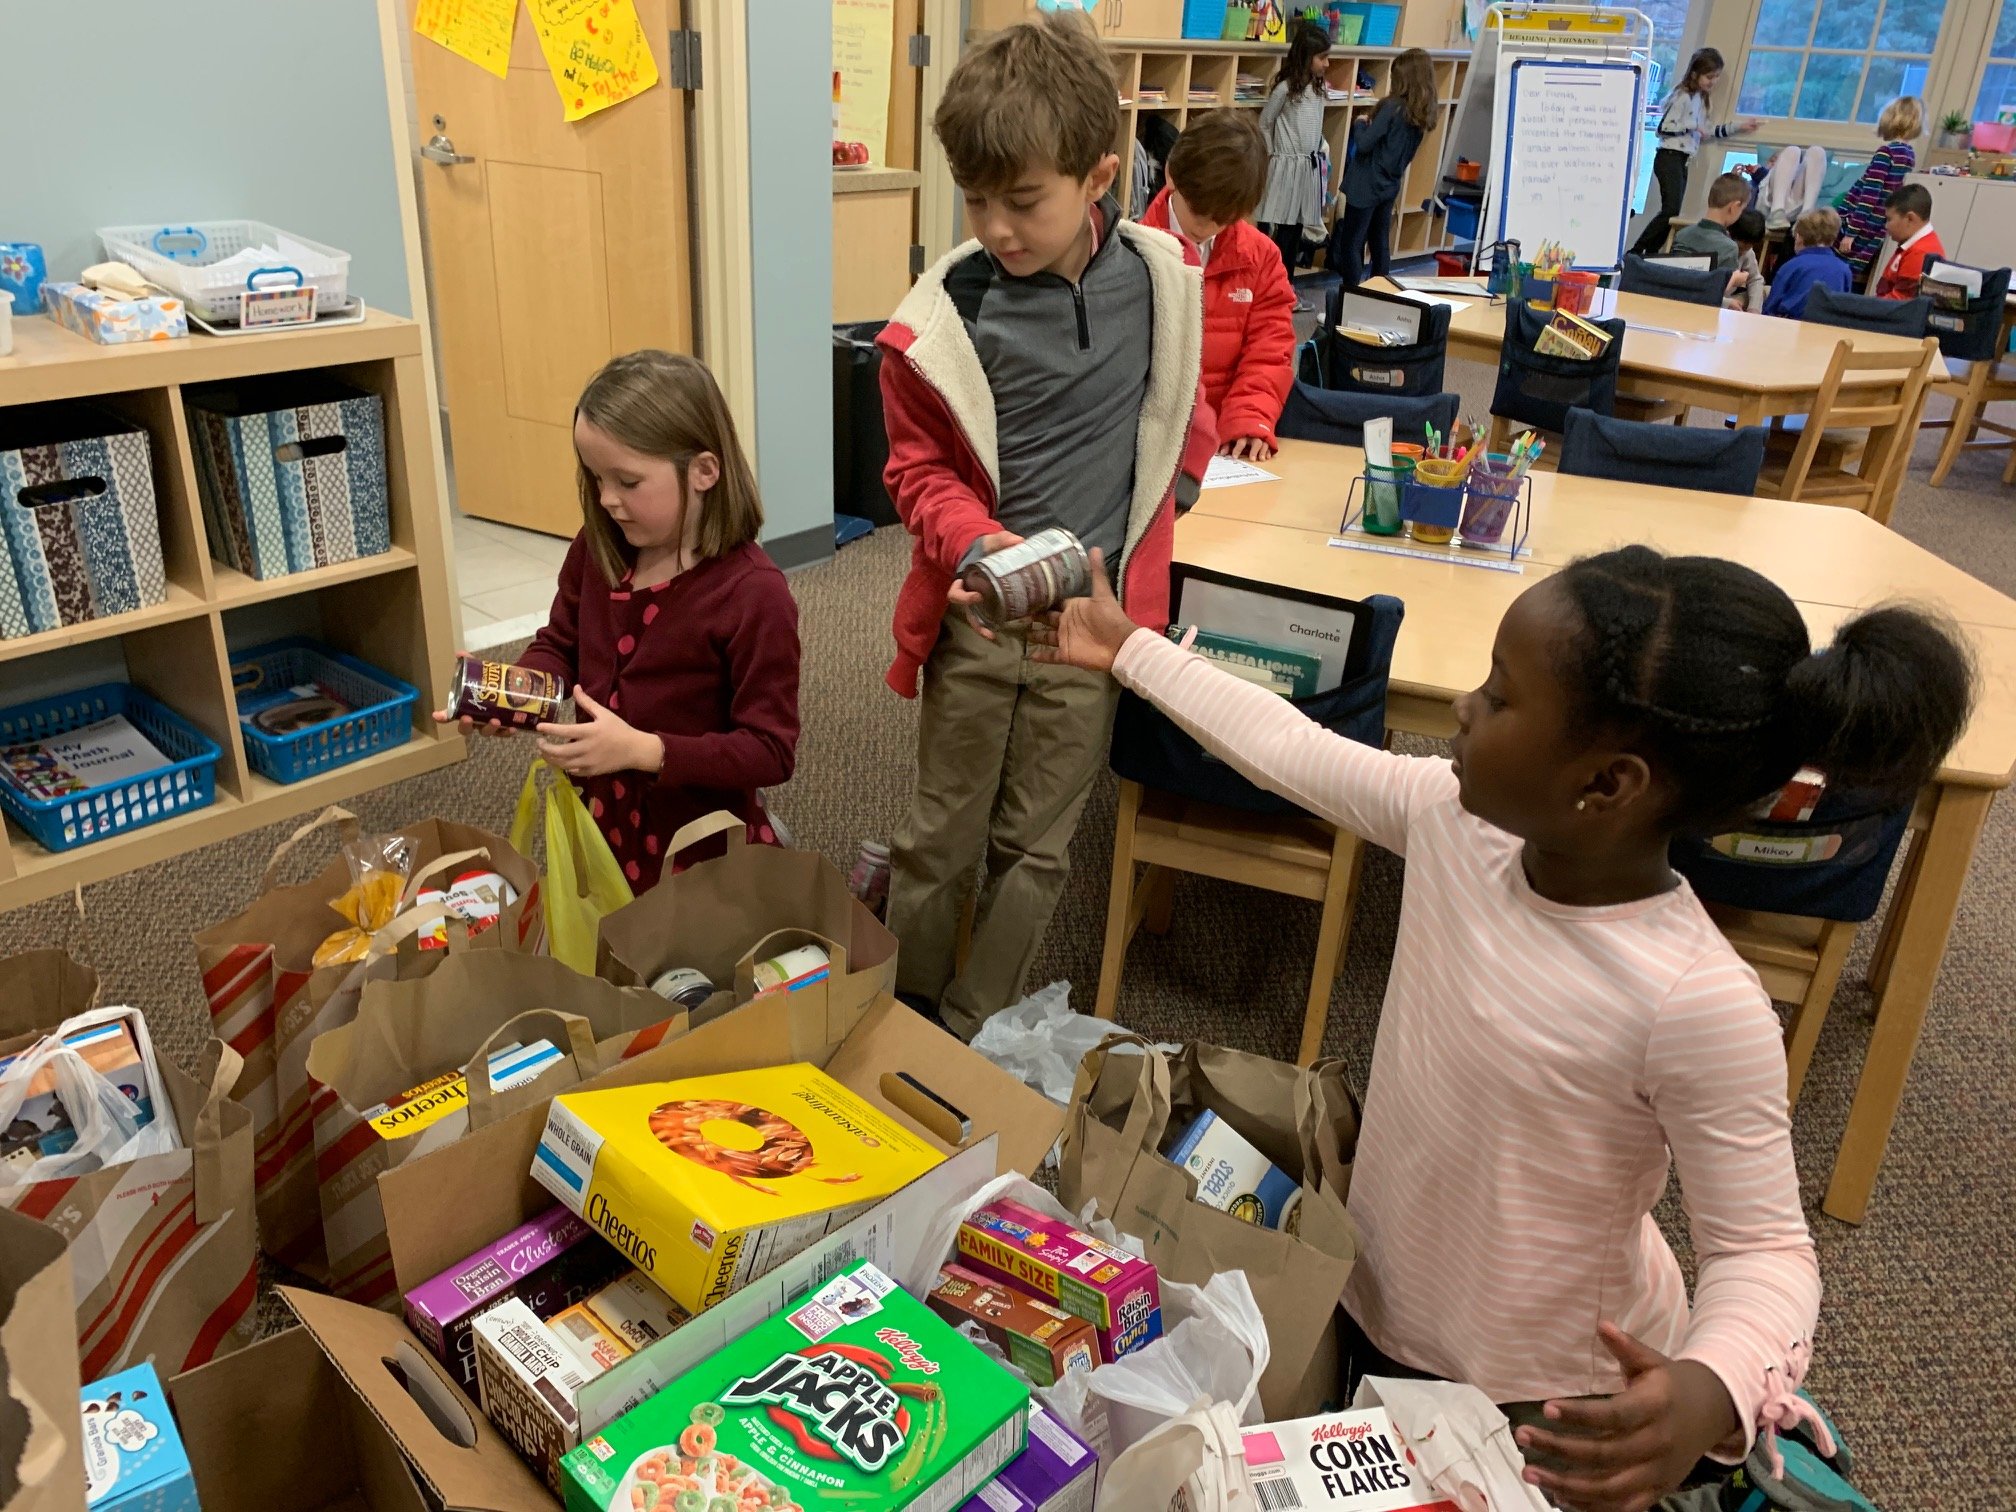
(856, 1397)
(707, 1183)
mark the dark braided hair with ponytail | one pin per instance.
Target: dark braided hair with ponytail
(1706, 669)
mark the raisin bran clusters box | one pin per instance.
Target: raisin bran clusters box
(1116, 1292)
(1341, 1462)
(856, 1396)
(705, 1184)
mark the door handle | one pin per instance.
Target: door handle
(440, 150)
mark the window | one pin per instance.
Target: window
(1998, 84)
(1838, 60)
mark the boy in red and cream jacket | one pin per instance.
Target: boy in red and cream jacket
(1907, 218)
(1217, 172)
(1044, 374)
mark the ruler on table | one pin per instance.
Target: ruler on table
(1420, 555)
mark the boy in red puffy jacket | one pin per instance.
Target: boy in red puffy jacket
(1217, 172)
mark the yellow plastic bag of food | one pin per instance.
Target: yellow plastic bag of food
(583, 881)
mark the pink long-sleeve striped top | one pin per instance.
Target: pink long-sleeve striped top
(1534, 1066)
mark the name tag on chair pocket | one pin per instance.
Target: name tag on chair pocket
(1780, 850)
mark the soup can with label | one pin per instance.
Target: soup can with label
(1021, 581)
(684, 986)
(521, 697)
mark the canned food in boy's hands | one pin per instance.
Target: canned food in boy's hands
(1032, 576)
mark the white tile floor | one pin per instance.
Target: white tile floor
(506, 577)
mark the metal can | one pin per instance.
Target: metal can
(792, 969)
(1018, 582)
(518, 696)
(684, 986)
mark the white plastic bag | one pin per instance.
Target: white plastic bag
(1199, 1457)
(1461, 1443)
(105, 1119)
(1040, 1040)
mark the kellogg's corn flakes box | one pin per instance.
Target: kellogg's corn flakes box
(856, 1397)
(707, 1183)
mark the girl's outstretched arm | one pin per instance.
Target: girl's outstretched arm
(1259, 734)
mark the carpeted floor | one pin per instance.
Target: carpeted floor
(1917, 1347)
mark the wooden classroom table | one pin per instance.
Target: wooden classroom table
(1831, 561)
(1749, 366)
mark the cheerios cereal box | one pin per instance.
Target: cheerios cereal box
(856, 1396)
(707, 1183)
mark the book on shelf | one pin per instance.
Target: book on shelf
(93, 755)
(1279, 669)
(285, 711)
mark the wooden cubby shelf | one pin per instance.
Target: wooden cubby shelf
(1178, 67)
(394, 609)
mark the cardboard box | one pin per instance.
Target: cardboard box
(636, 1309)
(133, 1458)
(549, 1263)
(1236, 1178)
(528, 1379)
(1343, 1461)
(276, 1426)
(1055, 1472)
(1042, 1340)
(857, 1392)
(673, 1173)
(41, 1462)
(1116, 1292)
(111, 321)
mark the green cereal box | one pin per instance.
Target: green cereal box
(857, 1397)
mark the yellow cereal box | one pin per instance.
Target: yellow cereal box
(705, 1184)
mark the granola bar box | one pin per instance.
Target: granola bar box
(707, 1183)
(857, 1396)
(1118, 1293)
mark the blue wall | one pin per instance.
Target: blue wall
(791, 272)
(278, 116)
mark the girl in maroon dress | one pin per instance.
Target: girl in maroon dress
(675, 630)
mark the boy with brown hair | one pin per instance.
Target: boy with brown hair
(1043, 374)
(1217, 172)
(1728, 197)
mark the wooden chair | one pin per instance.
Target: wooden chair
(1867, 481)
(1799, 961)
(1301, 856)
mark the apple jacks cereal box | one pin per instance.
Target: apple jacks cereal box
(858, 1396)
(706, 1184)
(1116, 1292)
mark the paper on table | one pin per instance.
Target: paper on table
(1463, 288)
(479, 30)
(1231, 472)
(596, 51)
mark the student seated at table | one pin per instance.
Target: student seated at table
(1728, 197)
(1217, 171)
(1746, 284)
(1564, 1023)
(1813, 265)
(1907, 220)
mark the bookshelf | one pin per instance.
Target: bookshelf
(395, 609)
(1186, 78)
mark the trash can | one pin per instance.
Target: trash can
(860, 444)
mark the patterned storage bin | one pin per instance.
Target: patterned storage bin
(79, 536)
(292, 472)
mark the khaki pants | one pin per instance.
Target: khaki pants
(1007, 749)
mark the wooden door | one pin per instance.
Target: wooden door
(555, 248)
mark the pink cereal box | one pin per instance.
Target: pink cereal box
(1114, 1291)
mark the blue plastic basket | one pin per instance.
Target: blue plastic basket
(188, 782)
(380, 717)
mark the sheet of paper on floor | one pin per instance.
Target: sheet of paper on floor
(1230, 472)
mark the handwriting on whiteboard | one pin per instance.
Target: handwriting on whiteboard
(1572, 130)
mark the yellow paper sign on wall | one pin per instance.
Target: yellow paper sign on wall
(595, 50)
(479, 30)
(863, 33)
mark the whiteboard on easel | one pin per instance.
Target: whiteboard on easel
(1570, 157)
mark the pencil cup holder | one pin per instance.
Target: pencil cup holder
(1384, 487)
(1537, 291)
(1491, 497)
(1575, 292)
(1432, 511)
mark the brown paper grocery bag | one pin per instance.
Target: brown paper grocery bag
(268, 1001)
(41, 1437)
(1126, 1107)
(163, 1250)
(721, 915)
(405, 1033)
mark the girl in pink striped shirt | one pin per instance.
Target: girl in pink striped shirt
(1563, 1019)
